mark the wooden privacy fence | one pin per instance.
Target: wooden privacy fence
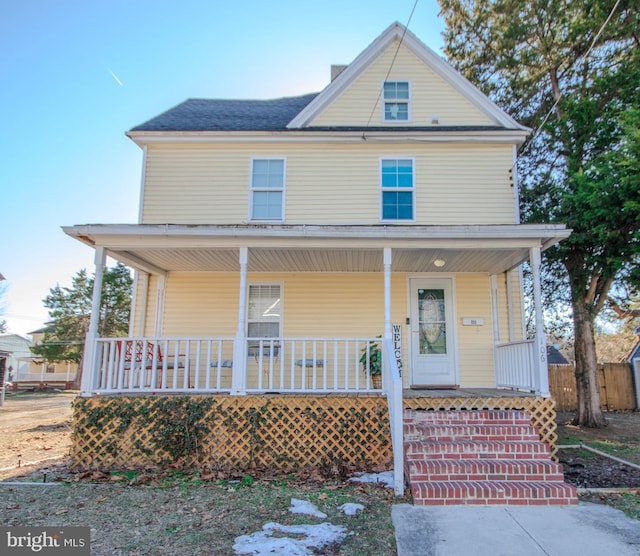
(617, 389)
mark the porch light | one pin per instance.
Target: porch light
(439, 263)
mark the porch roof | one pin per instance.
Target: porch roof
(161, 248)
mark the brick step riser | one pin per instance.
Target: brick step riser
(488, 478)
(442, 435)
(477, 492)
(453, 430)
(476, 470)
(414, 447)
(494, 418)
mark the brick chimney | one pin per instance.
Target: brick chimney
(337, 70)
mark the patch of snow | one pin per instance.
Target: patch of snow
(350, 508)
(384, 477)
(304, 507)
(263, 543)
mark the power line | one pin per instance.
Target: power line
(375, 105)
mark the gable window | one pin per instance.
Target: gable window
(396, 101)
(396, 179)
(264, 311)
(267, 189)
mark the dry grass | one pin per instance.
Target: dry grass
(197, 519)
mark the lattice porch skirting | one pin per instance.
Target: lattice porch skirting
(270, 432)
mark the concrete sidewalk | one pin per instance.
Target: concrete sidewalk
(582, 530)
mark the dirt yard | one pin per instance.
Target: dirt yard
(621, 438)
(34, 431)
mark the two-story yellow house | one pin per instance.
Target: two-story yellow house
(294, 247)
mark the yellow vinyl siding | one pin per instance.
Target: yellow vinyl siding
(361, 104)
(475, 343)
(328, 183)
(328, 305)
(201, 304)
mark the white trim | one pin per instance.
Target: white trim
(127, 235)
(133, 304)
(454, 318)
(143, 278)
(414, 208)
(239, 369)
(387, 261)
(384, 102)
(397, 31)
(495, 312)
(143, 182)
(88, 359)
(510, 316)
(516, 184)
(282, 191)
(160, 300)
(523, 325)
(437, 134)
(280, 284)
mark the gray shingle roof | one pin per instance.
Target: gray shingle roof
(228, 115)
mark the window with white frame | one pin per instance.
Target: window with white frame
(397, 183)
(267, 188)
(264, 311)
(396, 101)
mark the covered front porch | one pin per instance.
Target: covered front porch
(309, 311)
(375, 302)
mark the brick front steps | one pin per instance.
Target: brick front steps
(480, 457)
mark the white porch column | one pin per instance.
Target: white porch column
(388, 328)
(157, 329)
(512, 329)
(541, 338)
(88, 359)
(495, 313)
(142, 292)
(239, 370)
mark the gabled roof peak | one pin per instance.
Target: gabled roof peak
(397, 31)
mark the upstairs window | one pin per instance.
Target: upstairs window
(396, 179)
(267, 189)
(396, 101)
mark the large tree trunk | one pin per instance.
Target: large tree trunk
(589, 413)
(77, 380)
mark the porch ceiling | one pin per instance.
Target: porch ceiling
(166, 248)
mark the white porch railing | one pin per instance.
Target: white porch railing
(308, 365)
(516, 366)
(162, 364)
(206, 364)
(392, 382)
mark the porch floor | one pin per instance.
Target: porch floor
(465, 393)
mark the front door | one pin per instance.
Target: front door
(433, 358)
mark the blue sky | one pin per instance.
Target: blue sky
(77, 74)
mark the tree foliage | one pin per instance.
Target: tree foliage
(560, 68)
(70, 313)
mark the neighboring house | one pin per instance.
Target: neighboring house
(279, 238)
(45, 372)
(18, 348)
(555, 357)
